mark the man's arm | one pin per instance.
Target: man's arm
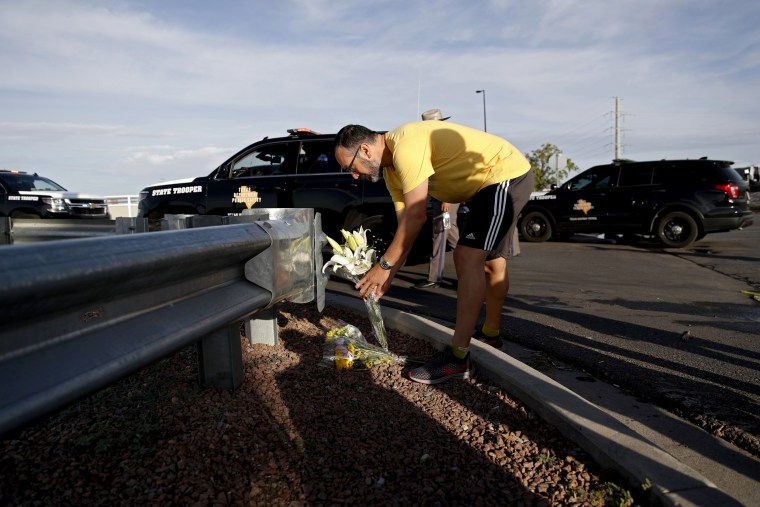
(411, 219)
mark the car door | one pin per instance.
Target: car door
(631, 199)
(259, 178)
(5, 207)
(583, 203)
(319, 181)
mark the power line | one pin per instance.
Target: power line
(577, 127)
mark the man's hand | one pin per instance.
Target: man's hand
(377, 281)
(410, 219)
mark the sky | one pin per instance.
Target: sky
(108, 97)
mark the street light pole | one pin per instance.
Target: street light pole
(485, 129)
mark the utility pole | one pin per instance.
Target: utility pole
(485, 129)
(618, 150)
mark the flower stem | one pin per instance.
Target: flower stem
(376, 319)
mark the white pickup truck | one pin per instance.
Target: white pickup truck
(24, 195)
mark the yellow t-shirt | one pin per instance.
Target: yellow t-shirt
(458, 160)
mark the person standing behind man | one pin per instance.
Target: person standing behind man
(441, 235)
(452, 163)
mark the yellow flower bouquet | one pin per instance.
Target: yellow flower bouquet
(347, 349)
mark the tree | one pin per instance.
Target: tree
(544, 162)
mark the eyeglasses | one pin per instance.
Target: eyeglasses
(348, 169)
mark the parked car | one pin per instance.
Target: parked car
(750, 174)
(295, 171)
(24, 195)
(677, 201)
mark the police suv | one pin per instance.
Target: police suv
(24, 195)
(295, 171)
(677, 201)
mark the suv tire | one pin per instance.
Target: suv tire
(535, 227)
(24, 214)
(381, 234)
(677, 229)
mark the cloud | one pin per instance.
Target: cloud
(128, 89)
(169, 155)
(56, 131)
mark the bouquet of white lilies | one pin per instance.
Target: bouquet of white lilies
(355, 256)
(352, 260)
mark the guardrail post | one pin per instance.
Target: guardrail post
(220, 358)
(262, 328)
(131, 225)
(290, 269)
(174, 222)
(5, 231)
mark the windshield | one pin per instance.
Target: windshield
(31, 183)
(596, 178)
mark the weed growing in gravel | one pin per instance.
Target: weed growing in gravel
(548, 458)
(607, 494)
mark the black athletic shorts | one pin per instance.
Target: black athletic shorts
(490, 217)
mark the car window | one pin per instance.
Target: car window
(596, 178)
(29, 183)
(317, 157)
(693, 172)
(726, 173)
(267, 160)
(635, 175)
(665, 174)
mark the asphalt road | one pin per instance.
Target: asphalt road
(671, 326)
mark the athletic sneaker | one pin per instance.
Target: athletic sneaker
(493, 341)
(442, 367)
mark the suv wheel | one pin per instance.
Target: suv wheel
(380, 235)
(535, 227)
(24, 214)
(677, 229)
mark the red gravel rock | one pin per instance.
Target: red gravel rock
(297, 432)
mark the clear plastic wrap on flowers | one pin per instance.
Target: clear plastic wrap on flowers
(351, 261)
(347, 349)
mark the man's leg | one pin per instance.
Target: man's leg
(454, 361)
(497, 288)
(486, 225)
(497, 274)
(471, 292)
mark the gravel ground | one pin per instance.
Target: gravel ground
(299, 432)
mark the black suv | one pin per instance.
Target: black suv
(296, 171)
(24, 195)
(678, 201)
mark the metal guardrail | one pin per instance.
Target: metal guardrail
(33, 230)
(78, 315)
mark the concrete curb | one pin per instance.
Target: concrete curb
(606, 439)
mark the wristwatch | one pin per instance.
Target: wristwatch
(385, 264)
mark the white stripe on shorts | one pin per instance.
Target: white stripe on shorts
(500, 203)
